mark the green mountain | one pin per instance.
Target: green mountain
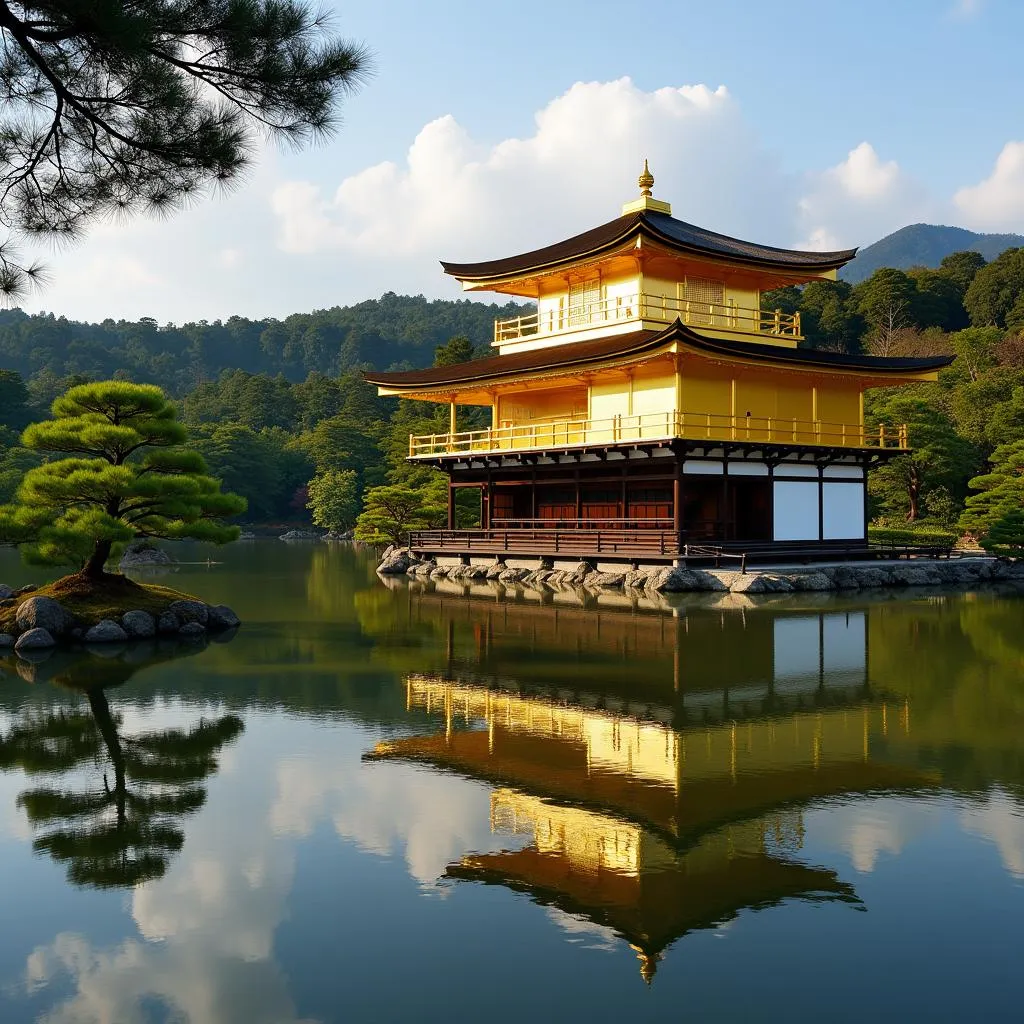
(923, 245)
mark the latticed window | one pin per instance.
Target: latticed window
(584, 302)
(705, 299)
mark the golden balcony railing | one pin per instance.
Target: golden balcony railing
(694, 426)
(657, 308)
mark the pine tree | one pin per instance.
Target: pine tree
(112, 108)
(128, 477)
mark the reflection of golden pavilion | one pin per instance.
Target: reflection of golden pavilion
(660, 781)
(698, 665)
(679, 783)
(623, 877)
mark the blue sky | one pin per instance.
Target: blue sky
(492, 128)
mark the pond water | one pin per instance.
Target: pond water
(416, 803)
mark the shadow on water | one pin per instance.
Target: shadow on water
(113, 800)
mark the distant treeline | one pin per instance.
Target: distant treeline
(394, 331)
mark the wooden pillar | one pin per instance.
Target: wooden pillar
(677, 503)
(579, 501)
(451, 505)
(451, 417)
(533, 493)
(724, 512)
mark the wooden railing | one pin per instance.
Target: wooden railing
(697, 426)
(659, 308)
(580, 541)
(517, 523)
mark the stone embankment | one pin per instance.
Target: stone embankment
(42, 622)
(955, 572)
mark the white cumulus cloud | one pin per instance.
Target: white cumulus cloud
(455, 197)
(997, 203)
(859, 200)
(288, 242)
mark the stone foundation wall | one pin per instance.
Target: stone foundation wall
(918, 572)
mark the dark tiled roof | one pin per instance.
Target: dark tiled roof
(755, 352)
(638, 343)
(551, 358)
(675, 234)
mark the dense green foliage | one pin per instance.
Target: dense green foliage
(391, 512)
(113, 108)
(390, 332)
(1000, 491)
(334, 499)
(127, 474)
(1005, 536)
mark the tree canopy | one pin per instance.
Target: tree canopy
(996, 295)
(112, 108)
(391, 512)
(1000, 490)
(127, 475)
(939, 459)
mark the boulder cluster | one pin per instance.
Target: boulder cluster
(140, 555)
(958, 572)
(314, 535)
(43, 622)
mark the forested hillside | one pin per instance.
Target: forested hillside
(923, 245)
(392, 331)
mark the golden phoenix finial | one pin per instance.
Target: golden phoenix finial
(646, 180)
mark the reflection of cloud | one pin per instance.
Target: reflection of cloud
(868, 828)
(13, 823)
(598, 936)
(126, 985)
(999, 819)
(387, 809)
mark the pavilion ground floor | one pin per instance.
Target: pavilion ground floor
(659, 503)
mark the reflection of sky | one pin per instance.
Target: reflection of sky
(298, 897)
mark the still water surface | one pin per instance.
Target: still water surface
(409, 803)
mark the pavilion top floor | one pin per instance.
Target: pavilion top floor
(644, 270)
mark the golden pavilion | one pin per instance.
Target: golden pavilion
(648, 405)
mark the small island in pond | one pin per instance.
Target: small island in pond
(108, 609)
(127, 477)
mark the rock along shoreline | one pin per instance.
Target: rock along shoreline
(43, 622)
(919, 572)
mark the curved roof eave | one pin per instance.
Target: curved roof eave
(638, 344)
(675, 234)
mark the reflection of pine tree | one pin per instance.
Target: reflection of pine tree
(123, 830)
